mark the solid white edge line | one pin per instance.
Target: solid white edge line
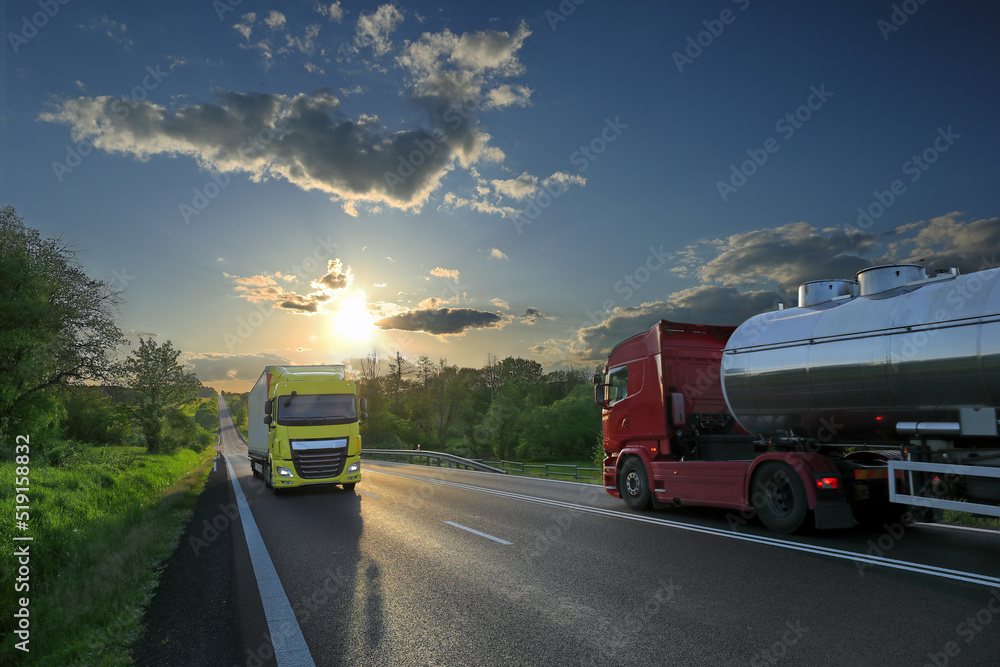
(290, 649)
(476, 532)
(969, 577)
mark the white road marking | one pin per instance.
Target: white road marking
(476, 532)
(290, 649)
(366, 493)
(958, 575)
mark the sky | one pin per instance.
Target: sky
(303, 182)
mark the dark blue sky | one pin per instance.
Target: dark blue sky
(564, 178)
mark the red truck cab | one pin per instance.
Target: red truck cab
(671, 440)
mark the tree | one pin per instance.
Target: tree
(159, 386)
(425, 371)
(57, 326)
(399, 368)
(491, 375)
(449, 391)
(565, 429)
(371, 375)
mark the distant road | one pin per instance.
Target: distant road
(428, 566)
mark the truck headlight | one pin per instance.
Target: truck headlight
(284, 472)
(354, 467)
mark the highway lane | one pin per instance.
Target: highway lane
(391, 574)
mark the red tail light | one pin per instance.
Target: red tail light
(827, 483)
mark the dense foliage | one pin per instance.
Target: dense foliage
(57, 326)
(507, 409)
(61, 378)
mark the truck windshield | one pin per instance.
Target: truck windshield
(317, 410)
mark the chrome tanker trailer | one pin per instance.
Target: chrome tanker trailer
(873, 393)
(895, 355)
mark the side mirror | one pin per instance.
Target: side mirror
(363, 403)
(267, 407)
(601, 395)
(267, 419)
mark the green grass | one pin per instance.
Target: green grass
(966, 519)
(102, 522)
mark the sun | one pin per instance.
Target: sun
(353, 319)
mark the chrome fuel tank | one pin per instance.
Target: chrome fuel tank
(898, 347)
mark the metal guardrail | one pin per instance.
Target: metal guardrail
(438, 457)
(549, 469)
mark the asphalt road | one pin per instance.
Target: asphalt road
(427, 566)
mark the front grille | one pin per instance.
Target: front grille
(319, 463)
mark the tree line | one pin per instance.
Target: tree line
(64, 375)
(508, 409)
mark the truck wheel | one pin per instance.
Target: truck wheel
(349, 486)
(779, 498)
(635, 485)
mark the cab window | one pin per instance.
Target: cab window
(618, 379)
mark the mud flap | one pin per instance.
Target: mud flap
(833, 515)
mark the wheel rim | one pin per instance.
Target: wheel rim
(633, 485)
(780, 498)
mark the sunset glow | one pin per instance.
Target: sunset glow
(353, 320)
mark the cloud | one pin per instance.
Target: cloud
(213, 367)
(374, 29)
(308, 140)
(500, 303)
(533, 315)
(441, 321)
(705, 304)
(496, 253)
(564, 180)
(245, 27)
(265, 289)
(303, 139)
(275, 19)
(336, 277)
(445, 273)
(508, 95)
(334, 11)
(945, 242)
(489, 196)
(451, 200)
(752, 272)
(519, 188)
(788, 255)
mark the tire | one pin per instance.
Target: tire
(634, 485)
(349, 486)
(779, 496)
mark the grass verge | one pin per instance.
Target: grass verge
(101, 525)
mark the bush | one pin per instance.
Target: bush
(93, 417)
(207, 415)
